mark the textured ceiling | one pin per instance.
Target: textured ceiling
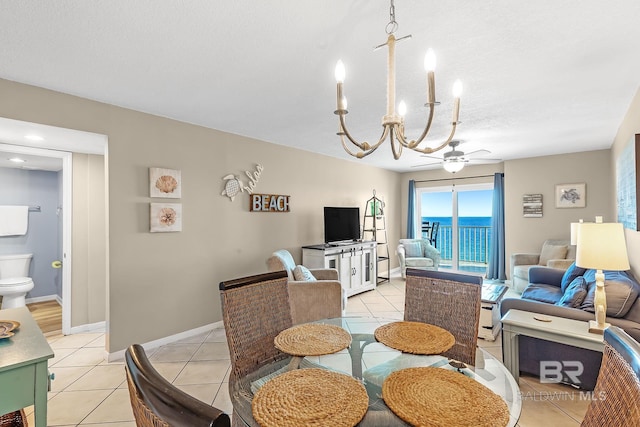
(541, 77)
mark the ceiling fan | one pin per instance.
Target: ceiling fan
(453, 161)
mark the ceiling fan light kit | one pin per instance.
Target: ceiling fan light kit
(393, 122)
(453, 161)
(453, 166)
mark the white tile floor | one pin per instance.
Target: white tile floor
(89, 391)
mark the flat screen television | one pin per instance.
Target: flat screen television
(341, 224)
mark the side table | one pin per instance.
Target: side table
(489, 325)
(24, 378)
(551, 328)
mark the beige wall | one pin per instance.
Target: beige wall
(628, 128)
(89, 257)
(165, 283)
(534, 175)
(540, 175)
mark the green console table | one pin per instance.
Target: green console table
(23, 366)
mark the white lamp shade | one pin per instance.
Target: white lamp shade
(602, 246)
(574, 232)
(453, 166)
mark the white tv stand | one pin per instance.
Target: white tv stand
(355, 262)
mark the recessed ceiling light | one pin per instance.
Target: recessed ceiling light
(17, 160)
(33, 137)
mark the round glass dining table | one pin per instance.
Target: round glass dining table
(371, 362)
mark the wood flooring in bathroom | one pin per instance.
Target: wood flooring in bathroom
(48, 315)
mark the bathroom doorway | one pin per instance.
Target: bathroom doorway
(81, 157)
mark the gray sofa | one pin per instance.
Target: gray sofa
(569, 294)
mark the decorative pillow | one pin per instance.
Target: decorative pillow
(412, 249)
(621, 288)
(541, 292)
(302, 274)
(552, 252)
(574, 294)
(572, 272)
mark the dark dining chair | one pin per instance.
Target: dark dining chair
(616, 398)
(425, 228)
(158, 403)
(448, 300)
(255, 310)
(433, 236)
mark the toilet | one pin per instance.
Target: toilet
(14, 280)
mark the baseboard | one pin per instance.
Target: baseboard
(393, 272)
(44, 299)
(89, 327)
(119, 355)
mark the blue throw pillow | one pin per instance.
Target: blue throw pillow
(575, 293)
(572, 272)
(621, 288)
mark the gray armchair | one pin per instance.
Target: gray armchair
(417, 253)
(559, 254)
(310, 300)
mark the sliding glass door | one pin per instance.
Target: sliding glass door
(457, 219)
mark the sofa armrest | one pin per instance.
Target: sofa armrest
(400, 250)
(546, 275)
(434, 254)
(544, 308)
(524, 259)
(562, 264)
(401, 254)
(317, 300)
(324, 273)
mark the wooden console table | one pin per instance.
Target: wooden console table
(556, 329)
(23, 366)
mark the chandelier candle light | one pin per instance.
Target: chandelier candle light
(393, 122)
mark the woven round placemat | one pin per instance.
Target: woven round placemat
(310, 397)
(437, 397)
(415, 337)
(312, 339)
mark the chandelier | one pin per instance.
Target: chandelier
(393, 122)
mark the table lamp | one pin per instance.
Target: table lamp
(574, 231)
(601, 246)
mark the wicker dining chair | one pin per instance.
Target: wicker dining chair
(255, 310)
(616, 398)
(450, 301)
(158, 403)
(13, 419)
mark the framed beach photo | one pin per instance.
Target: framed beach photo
(571, 195)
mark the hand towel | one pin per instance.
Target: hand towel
(14, 220)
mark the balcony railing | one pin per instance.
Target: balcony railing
(473, 247)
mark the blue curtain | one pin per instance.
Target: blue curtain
(496, 251)
(411, 211)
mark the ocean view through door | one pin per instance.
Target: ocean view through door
(463, 211)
